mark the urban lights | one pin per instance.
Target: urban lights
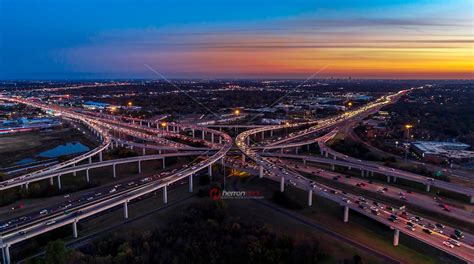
(129, 103)
(237, 112)
(163, 124)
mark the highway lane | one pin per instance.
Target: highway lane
(379, 169)
(417, 199)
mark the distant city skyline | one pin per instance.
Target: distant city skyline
(397, 39)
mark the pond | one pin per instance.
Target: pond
(63, 150)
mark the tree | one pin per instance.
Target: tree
(56, 252)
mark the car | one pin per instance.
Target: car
(455, 242)
(411, 228)
(446, 243)
(441, 226)
(458, 233)
(22, 233)
(426, 230)
(410, 224)
(50, 222)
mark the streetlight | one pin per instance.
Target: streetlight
(407, 127)
(237, 112)
(129, 104)
(349, 104)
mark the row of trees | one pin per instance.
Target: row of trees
(205, 233)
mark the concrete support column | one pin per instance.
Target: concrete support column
(7, 254)
(296, 150)
(74, 229)
(190, 189)
(165, 194)
(263, 135)
(164, 163)
(271, 133)
(282, 184)
(74, 173)
(243, 158)
(333, 167)
(304, 162)
(203, 135)
(310, 197)
(349, 168)
(114, 171)
(87, 175)
(396, 236)
(362, 173)
(139, 166)
(209, 171)
(428, 187)
(90, 160)
(148, 124)
(248, 141)
(260, 171)
(326, 154)
(125, 210)
(100, 156)
(212, 137)
(388, 179)
(220, 140)
(51, 182)
(471, 199)
(307, 148)
(59, 181)
(394, 179)
(143, 151)
(346, 214)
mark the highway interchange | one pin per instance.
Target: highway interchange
(265, 157)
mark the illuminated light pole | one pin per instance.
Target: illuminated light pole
(237, 112)
(408, 127)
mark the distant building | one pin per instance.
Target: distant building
(438, 152)
(94, 105)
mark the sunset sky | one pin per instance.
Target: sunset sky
(55, 39)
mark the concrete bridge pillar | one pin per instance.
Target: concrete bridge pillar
(346, 214)
(6, 251)
(74, 229)
(310, 197)
(209, 171)
(220, 140)
(100, 156)
(304, 162)
(396, 236)
(248, 141)
(190, 189)
(263, 135)
(114, 171)
(74, 173)
(271, 133)
(471, 199)
(243, 158)
(296, 150)
(282, 184)
(394, 178)
(90, 160)
(125, 210)
(87, 175)
(333, 167)
(212, 137)
(192, 133)
(428, 187)
(164, 163)
(203, 135)
(165, 194)
(362, 173)
(260, 171)
(143, 151)
(139, 166)
(388, 179)
(51, 182)
(59, 181)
